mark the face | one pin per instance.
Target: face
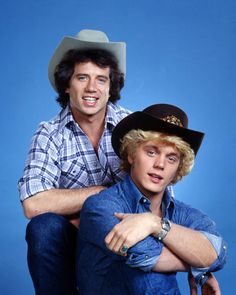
(89, 91)
(153, 167)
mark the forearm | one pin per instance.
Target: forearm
(60, 201)
(190, 246)
(169, 262)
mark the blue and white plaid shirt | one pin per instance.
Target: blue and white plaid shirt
(61, 155)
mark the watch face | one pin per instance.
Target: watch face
(166, 224)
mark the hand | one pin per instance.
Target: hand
(211, 286)
(192, 284)
(132, 229)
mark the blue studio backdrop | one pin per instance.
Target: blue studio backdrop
(181, 52)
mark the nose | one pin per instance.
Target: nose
(159, 162)
(91, 85)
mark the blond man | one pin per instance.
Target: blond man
(135, 236)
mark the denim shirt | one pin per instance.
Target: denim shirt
(100, 270)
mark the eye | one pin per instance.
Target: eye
(151, 153)
(102, 80)
(172, 159)
(82, 78)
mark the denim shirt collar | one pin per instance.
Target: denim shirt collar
(134, 197)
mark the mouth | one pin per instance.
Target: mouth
(155, 177)
(90, 99)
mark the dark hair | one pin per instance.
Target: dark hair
(101, 58)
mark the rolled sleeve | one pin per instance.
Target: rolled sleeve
(145, 254)
(201, 274)
(30, 186)
(42, 168)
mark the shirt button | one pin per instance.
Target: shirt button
(144, 200)
(146, 256)
(224, 247)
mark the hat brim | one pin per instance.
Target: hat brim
(118, 49)
(145, 122)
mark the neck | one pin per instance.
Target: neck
(156, 201)
(93, 127)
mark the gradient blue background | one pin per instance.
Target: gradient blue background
(181, 52)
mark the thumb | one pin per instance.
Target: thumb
(119, 215)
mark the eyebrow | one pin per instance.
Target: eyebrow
(176, 154)
(98, 76)
(151, 146)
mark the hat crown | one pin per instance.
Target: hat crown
(92, 36)
(168, 113)
(163, 118)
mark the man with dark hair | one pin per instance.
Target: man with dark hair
(157, 149)
(71, 156)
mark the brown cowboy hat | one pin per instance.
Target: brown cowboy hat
(87, 39)
(163, 118)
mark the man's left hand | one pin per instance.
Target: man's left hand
(210, 287)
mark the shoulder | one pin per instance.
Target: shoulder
(184, 207)
(108, 199)
(51, 125)
(117, 112)
(191, 217)
(52, 130)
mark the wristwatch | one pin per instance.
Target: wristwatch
(165, 228)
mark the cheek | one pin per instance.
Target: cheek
(142, 164)
(106, 91)
(173, 175)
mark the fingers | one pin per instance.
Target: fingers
(115, 240)
(121, 216)
(211, 286)
(123, 250)
(192, 284)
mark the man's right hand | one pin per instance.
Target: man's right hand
(61, 201)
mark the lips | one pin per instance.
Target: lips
(156, 178)
(89, 99)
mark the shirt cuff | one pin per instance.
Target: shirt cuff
(31, 186)
(144, 262)
(201, 274)
(145, 254)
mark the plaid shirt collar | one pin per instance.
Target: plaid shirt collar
(66, 117)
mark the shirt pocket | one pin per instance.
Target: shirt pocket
(74, 174)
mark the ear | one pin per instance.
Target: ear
(130, 160)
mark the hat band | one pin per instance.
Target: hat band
(173, 120)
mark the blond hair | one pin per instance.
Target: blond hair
(134, 138)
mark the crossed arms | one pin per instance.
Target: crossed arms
(194, 250)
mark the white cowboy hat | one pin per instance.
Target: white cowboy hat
(87, 39)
